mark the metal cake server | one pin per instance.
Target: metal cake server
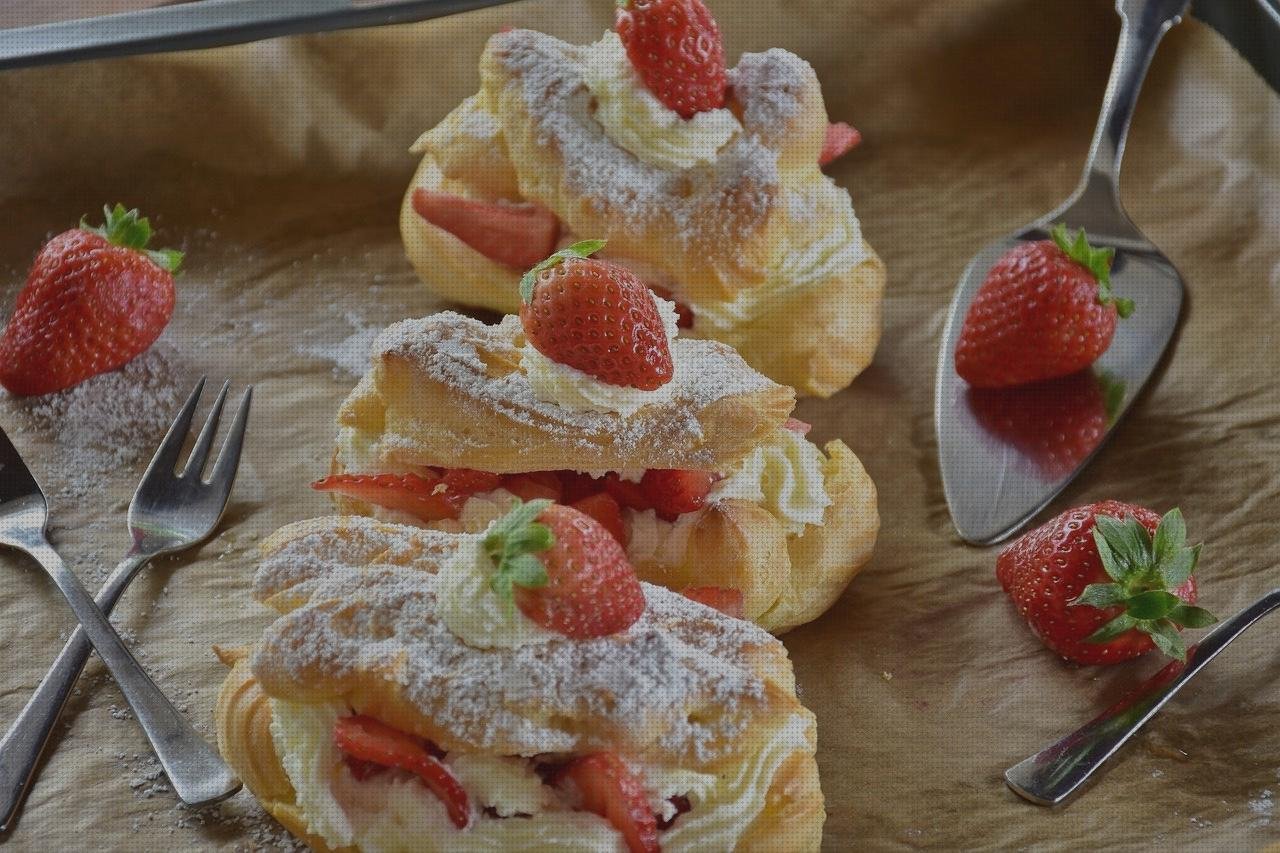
(1052, 775)
(993, 484)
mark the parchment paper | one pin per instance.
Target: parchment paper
(279, 167)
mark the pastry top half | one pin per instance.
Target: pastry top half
(728, 210)
(448, 389)
(700, 706)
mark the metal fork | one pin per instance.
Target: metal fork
(169, 512)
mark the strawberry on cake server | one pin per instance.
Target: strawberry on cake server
(518, 688)
(705, 178)
(587, 397)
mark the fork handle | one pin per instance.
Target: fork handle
(25, 742)
(198, 774)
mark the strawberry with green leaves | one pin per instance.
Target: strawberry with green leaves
(95, 299)
(676, 48)
(596, 317)
(1044, 310)
(563, 570)
(1106, 583)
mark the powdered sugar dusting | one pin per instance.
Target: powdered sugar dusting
(111, 420)
(456, 351)
(717, 203)
(676, 683)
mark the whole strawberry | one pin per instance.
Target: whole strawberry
(597, 317)
(1105, 583)
(95, 298)
(675, 47)
(563, 570)
(1044, 310)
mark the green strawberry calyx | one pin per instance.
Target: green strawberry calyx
(511, 543)
(581, 249)
(1145, 570)
(129, 230)
(1096, 261)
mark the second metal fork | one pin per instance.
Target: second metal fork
(169, 512)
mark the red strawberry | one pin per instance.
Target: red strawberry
(366, 739)
(564, 570)
(841, 139)
(468, 481)
(628, 494)
(727, 600)
(425, 496)
(684, 314)
(1106, 582)
(518, 235)
(534, 485)
(675, 47)
(1056, 423)
(609, 788)
(576, 485)
(673, 493)
(597, 317)
(1044, 310)
(604, 509)
(797, 425)
(95, 299)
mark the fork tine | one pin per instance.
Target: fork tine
(200, 450)
(224, 470)
(166, 459)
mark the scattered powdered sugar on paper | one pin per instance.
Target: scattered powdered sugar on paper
(350, 356)
(113, 419)
(680, 680)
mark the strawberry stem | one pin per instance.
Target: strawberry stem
(1096, 261)
(581, 249)
(129, 230)
(511, 543)
(1145, 571)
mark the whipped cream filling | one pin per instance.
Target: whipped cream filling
(784, 475)
(637, 121)
(471, 609)
(833, 247)
(580, 392)
(393, 811)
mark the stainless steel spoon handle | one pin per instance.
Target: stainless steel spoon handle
(1052, 775)
(1143, 24)
(24, 743)
(198, 774)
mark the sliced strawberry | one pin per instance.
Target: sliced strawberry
(727, 600)
(362, 769)
(366, 739)
(597, 317)
(516, 235)
(534, 485)
(628, 494)
(841, 139)
(609, 788)
(673, 493)
(426, 497)
(470, 481)
(565, 571)
(797, 425)
(604, 508)
(575, 485)
(684, 314)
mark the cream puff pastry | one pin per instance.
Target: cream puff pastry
(522, 743)
(727, 210)
(473, 415)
